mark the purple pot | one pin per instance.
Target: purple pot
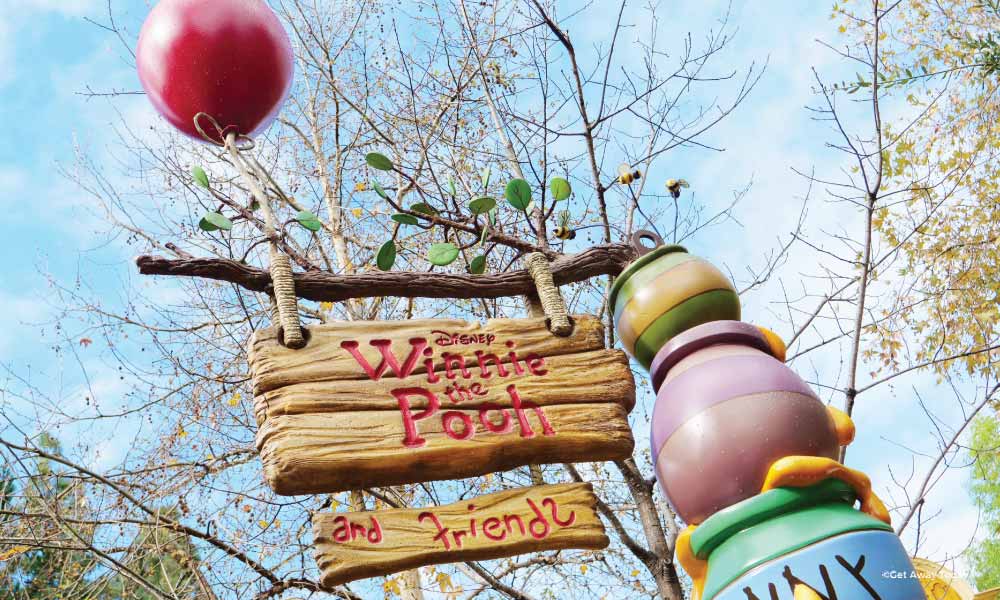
(725, 410)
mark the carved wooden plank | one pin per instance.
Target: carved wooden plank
(333, 452)
(386, 403)
(323, 358)
(584, 378)
(358, 545)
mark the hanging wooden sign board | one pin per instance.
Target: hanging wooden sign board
(352, 546)
(378, 403)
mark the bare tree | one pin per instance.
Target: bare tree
(461, 97)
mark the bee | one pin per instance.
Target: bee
(626, 174)
(674, 187)
(564, 231)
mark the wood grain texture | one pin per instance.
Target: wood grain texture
(410, 538)
(323, 358)
(333, 452)
(382, 403)
(583, 378)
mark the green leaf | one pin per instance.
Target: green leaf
(404, 219)
(451, 187)
(482, 205)
(386, 256)
(486, 177)
(214, 220)
(200, 177)
(561, 188)
(378, 190)
(309, 221)
(378, 161)
(518, 193)
(254, 205)
(478, 265)
(442, 254)
(424, 208)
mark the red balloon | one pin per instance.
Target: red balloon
(230, 59)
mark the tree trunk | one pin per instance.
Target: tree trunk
(662, 547)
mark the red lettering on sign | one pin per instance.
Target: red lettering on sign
(454, 360)
(468, 428)
(412, 438)
(442, 534)
(555, 513)
(345, 531)
(388, 358)
(484, 359)
(536, 364)
(457, 393)
(522, 418)
(513, 358)
(538, 520)
(499, 528)
(466, 339)
(505, 426)
(508, 518)
(489, 525)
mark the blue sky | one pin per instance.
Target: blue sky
(49, 54)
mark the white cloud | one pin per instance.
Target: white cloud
(17, 16)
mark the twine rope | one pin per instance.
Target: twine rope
(280, 265)
(552, 301)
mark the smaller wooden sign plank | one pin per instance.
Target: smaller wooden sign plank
(333, 452)
(358, 545)
(583, 378)
(324, 358)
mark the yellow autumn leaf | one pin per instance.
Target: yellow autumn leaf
(360, 186)
(326, 306)
(583, 569)
(444, 582)
(357, 212)
(235, 399)
(13, 552)
(263, 524)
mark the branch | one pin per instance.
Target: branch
(322, 286)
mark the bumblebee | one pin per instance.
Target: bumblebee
(627, 174)
(564, 231)
(674, 187)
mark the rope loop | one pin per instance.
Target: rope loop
(221, 133)
(552, 301)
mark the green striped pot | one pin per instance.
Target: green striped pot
(665, 292)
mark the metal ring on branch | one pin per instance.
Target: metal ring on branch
(552, 301)
(644, 234)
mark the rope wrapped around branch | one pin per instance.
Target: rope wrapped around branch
(552, 301)
(280, 265)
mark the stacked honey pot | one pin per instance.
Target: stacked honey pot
(744, 450)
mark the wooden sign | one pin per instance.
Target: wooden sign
(378, 403)
(357, 545)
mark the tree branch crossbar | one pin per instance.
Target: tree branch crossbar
(323, 286)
